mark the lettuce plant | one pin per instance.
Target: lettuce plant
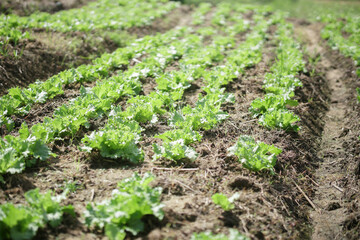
(118, 139)
(22, 222)
(280, 118)
(233, 235)
(175, 151)
(22, 151)
(123, 212)
(224, 202)
(188, 135)
(255, 156)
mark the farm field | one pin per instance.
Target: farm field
(153, 119)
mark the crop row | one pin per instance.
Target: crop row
(280, 84)
(102, 14)
(200, 13)
(334, 32)
(271, 110)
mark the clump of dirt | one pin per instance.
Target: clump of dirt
(27, 7)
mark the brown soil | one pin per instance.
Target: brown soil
(336, 199)
(27, 7)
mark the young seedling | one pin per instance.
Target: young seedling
(224, 202)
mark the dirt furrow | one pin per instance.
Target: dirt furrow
(328, 197)
(331, 204)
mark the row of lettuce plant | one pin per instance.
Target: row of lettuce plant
(102, 14)
(188, 121)
(19, 101)
(23, 150)
(111, 140)
(334, 33)
(224, 14)
(280, 84)
(349, 46)
(272, 110)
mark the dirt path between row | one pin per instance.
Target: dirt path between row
(331, 207)
(328, 219)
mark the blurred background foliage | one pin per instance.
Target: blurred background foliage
(308, 9)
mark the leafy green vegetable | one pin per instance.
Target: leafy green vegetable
(280, 118)
(220, 76)
(48, 206)
(21, 151)
(199, 13)
(123, 213)
(175, 83)
(175, 151)
(22, 222)
(255, 156)
(225, 203)
(204, 116)
(118, 139)
(233, 235)
(18, 222)
(271, 102)
(280, 84)
(144, 108)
